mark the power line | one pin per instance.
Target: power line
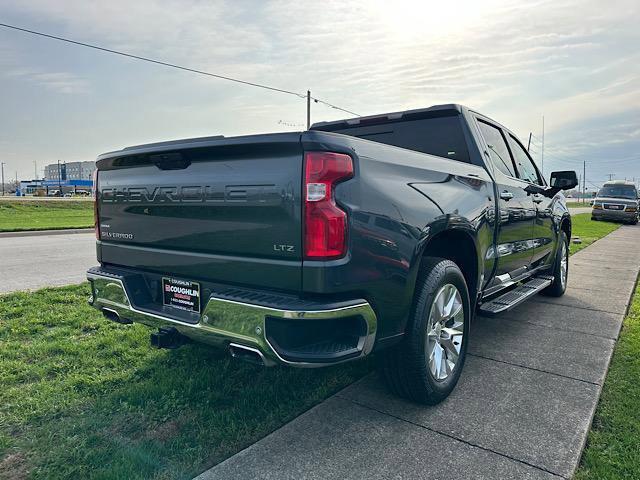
(150, 60)
(317, 100)
(172, 65)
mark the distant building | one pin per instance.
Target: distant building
(30, 187)
(73, 170)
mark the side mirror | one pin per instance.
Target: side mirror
(564, 180)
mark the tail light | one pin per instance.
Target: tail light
(96, 217)
(325, 227)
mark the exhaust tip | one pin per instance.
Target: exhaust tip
(247, 354)
(114, 316)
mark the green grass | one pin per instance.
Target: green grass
(81, 397)
(613, 445)
(588, 230)
(18, 215)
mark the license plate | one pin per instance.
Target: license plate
(181, 294)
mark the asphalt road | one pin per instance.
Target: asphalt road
(31, 262)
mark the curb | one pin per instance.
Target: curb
(37, 233)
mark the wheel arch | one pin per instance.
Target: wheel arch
(565, 225)
(458, 245)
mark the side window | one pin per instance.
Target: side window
(526, 170)
(498, 150)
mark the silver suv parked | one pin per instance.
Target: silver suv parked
(617, 200)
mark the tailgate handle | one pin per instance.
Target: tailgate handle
(170, 161)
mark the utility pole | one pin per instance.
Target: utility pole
(579, 183)
(611, 176)
(59, 180)
(308, 109)
(542, 154)
(2, 166)
(529, 143)
(584, 179)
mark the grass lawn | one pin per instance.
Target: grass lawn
(18, 215)
(613, 446)
(588, 230)
(81, 397)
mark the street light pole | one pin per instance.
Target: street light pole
(59, 180)
(2, 166)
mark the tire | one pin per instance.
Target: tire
(406, 367)
(594, 219)
(559, 285)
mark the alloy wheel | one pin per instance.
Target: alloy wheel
(445, 332)
(564, 264)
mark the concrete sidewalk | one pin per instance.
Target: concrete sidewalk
(522, 408)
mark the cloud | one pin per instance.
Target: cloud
(571, 60)
(60, 82)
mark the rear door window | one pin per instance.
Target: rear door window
(498, 150)
(441, 136)
(524, 165)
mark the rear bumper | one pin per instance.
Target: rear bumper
(281, 329)
(619, 215)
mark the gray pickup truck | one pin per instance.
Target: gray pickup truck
(375, 234)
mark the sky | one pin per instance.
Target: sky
(577, 63)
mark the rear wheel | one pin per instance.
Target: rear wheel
(560, 269)
(426, 365)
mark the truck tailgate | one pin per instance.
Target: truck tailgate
(219, 211)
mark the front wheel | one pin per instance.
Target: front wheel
(426, 365)
(560, 269)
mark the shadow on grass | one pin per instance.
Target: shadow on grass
(81, 397)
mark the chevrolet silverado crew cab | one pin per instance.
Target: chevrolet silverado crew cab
(374, 234)
(616, 200)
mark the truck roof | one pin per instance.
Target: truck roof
(429, 112)
(618, 182)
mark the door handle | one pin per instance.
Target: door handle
(505, 195)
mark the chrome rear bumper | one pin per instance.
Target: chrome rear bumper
(226, 321)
